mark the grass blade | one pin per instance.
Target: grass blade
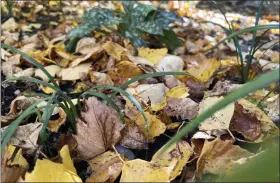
(252, 86)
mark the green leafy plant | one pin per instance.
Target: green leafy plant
(137, 21)
(244, 66)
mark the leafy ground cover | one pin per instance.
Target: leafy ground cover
(138, 92)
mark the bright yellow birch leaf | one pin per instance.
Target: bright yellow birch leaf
(153, 55)
(18, 159)
(48, 171)
(114, 49)
(177, 154)
(142, 171)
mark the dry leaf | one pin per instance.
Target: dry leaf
(114, 50)
(170, 63)
(152, 55)
(74, 73)
(142, 171)
(80, 87)
(85, 45)
(149, 92)
(46, 89)
(26, 73)
(12, 168)
(268, 128)
(54, 125)
(156, 127)
(9, 67)
(95, 51)
(48, 171)
(203, 69)
(223, 88)
(133, 137)
(185, 108)
(106, 167)
(217, 155)
(53, 70)
(26, 136)
(5, 54)
(9, 25)
(128, 69)
(99, 78)
(101, 130)
(178, 154)
(220, 120)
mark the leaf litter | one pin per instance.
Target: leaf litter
(169, 102)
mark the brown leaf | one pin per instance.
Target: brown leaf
(249, 126)
(223, 88)
(10, 67)
(185, 108)
(217, 156)
(53, 125)
(101, 130)
(196, 88)
(133, 137)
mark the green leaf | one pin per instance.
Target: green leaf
(139, 12)
(100, 16)
(150, 27)
(71, 46)
(170, 39)
(135, 37)
(250, 87)
(82, 30)
(164, 18)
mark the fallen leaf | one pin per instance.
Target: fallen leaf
(25, 73)
(5, 54)
(53, 70)
(273, 110)
(223, 88)
(54, 125)
(142, 171)
(114, 50)
(41, 57)
(10, 66)
(218, 121)
(128, 69)
(178, 154)
(26, 136)
(149, 92)
(203, 69)
(101, 130)
(48, 171)
(99, 78)
(9, 25)
(156, 127)
(170, 63)
(12, 168)
(152, 55)
(106, 167)
(268, 128)
(80, 87)
(171, 81)
(216, 157)
(185, 108)
(133, 137)
(85, 45)
(74, 73)
(46, 89)
(196, 87)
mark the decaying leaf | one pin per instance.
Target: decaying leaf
(12, 167)
(128, 69)
(74, 73)
(177, 154)
(185, 108)
(156, 127)
(53, 125)
(217, 155)
(99, 78)
(133, 137)
(223, 88)
(52, 69)
(10, 66)
(106, 167)
(152, 55)
(48, 171)
(26, 136)
(142, 171)
(26, 73)
(220, 120)
(101, 129)
(85, 45)
(170, 63)
(267, 127)
(114, 49)
(203, 69)
(149, 92)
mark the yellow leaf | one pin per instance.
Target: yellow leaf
(40, 56)
(203, 69)
(48, 171)
(153, 55)
(176, 92)
(142, 171)
(156, 127)
(46, 89)
(178, 154)
(106, 167)
(18, 158)
(53, 125)
(128, 69)
(113, 49)
(80, 87)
